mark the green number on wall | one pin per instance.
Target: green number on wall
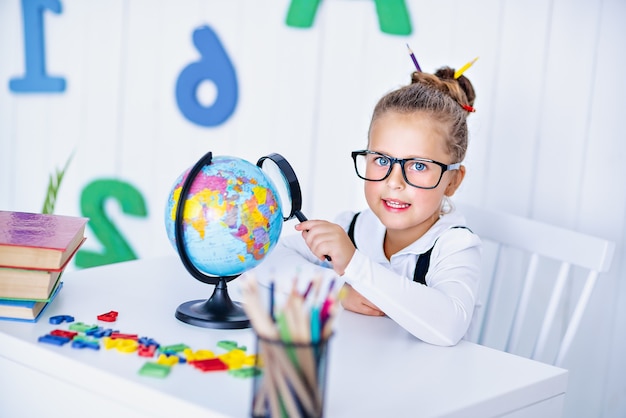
(92, 203)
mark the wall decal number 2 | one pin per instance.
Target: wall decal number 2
(92, 202)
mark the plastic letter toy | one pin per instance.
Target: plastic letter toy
(109, 343)
(100, 332)
(60, 318)
(208, 365)
(234, 358)
(180, 358)
(155, 370)
(146, 350)
(120, 344)
(115, 335)
(176, 348)
(63, 333)
(190, 355)
(82, 327)
(83, 336)
(125, 345)
(230, 345)
(148, 341)
(85, 344)
(108, 317)
(53, 339)
(245, 372)
(227, 345)
(249, 360)
(166, 360)
(86, 339)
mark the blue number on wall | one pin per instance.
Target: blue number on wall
(214, 65)
(35, 78)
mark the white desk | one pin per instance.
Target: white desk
(375, 368)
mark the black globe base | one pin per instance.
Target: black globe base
(193, 313)
(217, 312)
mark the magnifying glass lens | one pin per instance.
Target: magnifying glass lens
(280, 172)
(274, 173)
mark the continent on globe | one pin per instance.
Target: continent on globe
(232, 216)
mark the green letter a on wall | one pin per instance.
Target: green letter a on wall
(393, 17)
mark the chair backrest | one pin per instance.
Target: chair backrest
(537, 280)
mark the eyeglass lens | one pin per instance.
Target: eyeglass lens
(418, 173)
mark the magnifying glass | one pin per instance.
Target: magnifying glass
(278, 169)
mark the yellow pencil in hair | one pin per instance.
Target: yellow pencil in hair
(458, 73)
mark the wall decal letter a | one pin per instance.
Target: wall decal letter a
(393, 16)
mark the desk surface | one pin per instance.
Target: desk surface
(375, 367)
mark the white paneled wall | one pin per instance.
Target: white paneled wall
(546, 142)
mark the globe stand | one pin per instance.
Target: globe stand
(219, 311)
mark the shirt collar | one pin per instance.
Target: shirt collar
(375, 230)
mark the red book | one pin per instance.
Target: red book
(39, 241)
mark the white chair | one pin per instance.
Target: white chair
(537, 280)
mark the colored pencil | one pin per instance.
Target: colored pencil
(412, 55)
(458, 73)
(289, 346)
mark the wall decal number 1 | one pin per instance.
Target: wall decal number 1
(36, 79)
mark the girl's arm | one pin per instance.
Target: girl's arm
(439, 313)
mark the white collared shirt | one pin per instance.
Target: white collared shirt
(439, 313)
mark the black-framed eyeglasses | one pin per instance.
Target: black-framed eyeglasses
(417, 172)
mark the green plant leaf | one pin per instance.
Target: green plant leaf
(54, 183)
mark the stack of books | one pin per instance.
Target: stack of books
(35, 249)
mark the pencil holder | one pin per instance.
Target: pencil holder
(292, 380)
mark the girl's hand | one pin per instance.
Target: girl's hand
(328, 239)
(355, 302)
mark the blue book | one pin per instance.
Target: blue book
(25, 310)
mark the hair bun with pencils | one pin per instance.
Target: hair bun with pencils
(459, 88)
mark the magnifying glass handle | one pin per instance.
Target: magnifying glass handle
(303, 218)
(300, 216)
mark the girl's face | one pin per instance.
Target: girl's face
(406, 211)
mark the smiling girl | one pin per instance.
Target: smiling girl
(409, 256)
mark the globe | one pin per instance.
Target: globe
(232, 216)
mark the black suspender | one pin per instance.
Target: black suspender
(423, 260)
(421, 267)
(351, 228)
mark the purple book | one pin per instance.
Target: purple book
(39, 241)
